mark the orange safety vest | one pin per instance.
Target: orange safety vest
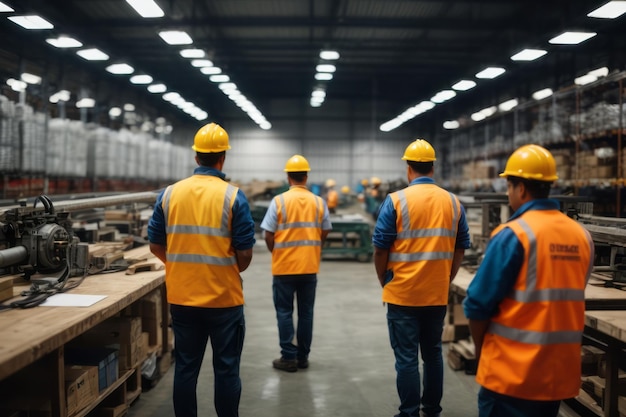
(201, 268)
(532, 347)
(332, 199)
(298, 237)
(427, 219)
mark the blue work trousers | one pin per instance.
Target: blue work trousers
(414, 330)
(284, 288)
(193, 327)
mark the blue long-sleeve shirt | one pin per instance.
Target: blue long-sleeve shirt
(500, 267)
(385, 232)
(242, 222)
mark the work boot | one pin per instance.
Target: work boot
(287, 365)
(303, 363)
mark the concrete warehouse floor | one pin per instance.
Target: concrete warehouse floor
(351, 371)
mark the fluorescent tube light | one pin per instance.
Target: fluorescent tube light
(329, 55)
(451, 125)
(508, 105)
(323, 76)
(30, 78)
(31, 22)
(478, 116)
(64, 42)
(4, 8)
(490, 72)
(219, 78)
(171, 96)
(464, 85)
(192, 53)
(176, 37)
(62, 95)
(92, 54)
(541, 94)
(600, 72)
(157, 88)
(611, 10)
(227, 87)
(442, 96)
(489, 111)
(16, 85)
(528, 55)
(129, 107)
(211, 70)
(318, 93)
(120, 69)
(141, 79)
(585, 79)
(325, 68)
(572, 38)
(199, 63)
(115, 112)
(146, 8)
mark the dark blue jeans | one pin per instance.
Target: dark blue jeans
(193, 326)
(284, 288)
(493, 404)
(413, 329)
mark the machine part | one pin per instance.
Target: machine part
(419, 151)
(211, 138)
(297, 163)
(12, 256)
(531, 162)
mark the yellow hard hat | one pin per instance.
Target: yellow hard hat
(376, 181)
(532, 162)
(364, 181)
(297, 163)
(345, 189)
(419, 151)
(330, 182)
(211, 138)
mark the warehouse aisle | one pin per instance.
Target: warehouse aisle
(352, 368)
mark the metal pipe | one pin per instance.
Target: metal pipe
(13, 256)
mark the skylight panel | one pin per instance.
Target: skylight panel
(572, 38)
(64, 42)
(4, 8)
(31, 22)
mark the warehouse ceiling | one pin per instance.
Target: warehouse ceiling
(397, 52)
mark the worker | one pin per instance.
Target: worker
(332, 196)
(361, 190)
(203, 232)
(526, 302)
(374, 197)
(419, 241)
(296, 225)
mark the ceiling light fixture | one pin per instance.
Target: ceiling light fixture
(120, 69)
(64, 42)
(92, 54)
(528, 55)
(115, 112)
(192, 53)
(611, 10)
(329, 55)
(157, 88)
(323, 76)
(571, 38)
(86, 103)
(325, 68)
(4, 8)
(451, 125)
(219, 78)
(211, 70)
(175, 37)
(490, 73)
(141, 79)
(464, 85)
(146, 8)
(541, 94)
(200, 63)
(508, 105)
(31, 22)
(443, 96)
(30, 78)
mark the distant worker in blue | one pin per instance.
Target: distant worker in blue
(419, 242)
(526, 303)
(203, 232)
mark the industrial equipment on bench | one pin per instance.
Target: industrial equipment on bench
(40, 239)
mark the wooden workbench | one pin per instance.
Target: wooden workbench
(609, 327)
(596, 298)
(38, 335)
